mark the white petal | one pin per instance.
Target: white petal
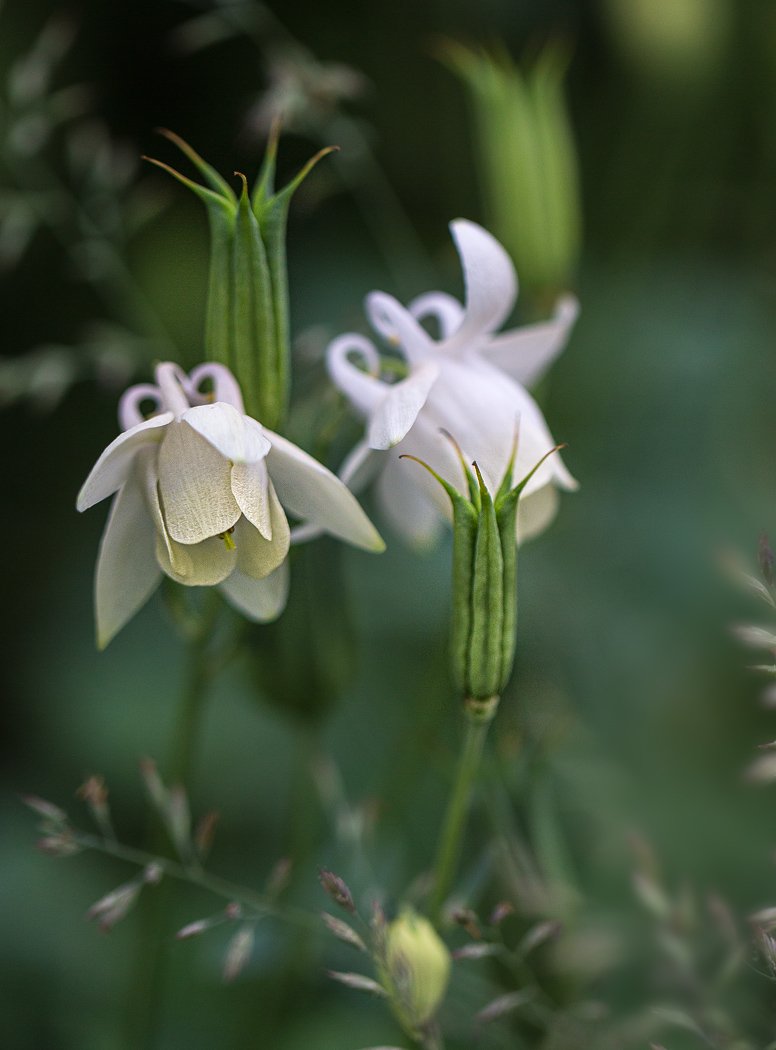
(363, 389)
(397, 325)
(444, 308)
(256, 556)
(491, 282)
(536, 511)
(113, 467)
(526, 353)
(194, 486)
(399, 409)
(311, 492)
(235, 436)
(250, 484)
(260, 600)
(127, 573)
(361, 466)
(196, 564)
(225, 386)
(406, 502)
(482, 408)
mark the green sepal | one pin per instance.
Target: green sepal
(518, 489)
(464, 545)
(218, 310)
(271, 210)
(471, 482)
(465, 517)
(216, 182)
(487, 601)
(506, 482)
(253, 324)
(506, 517)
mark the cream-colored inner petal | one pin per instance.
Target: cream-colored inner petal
(194, 486)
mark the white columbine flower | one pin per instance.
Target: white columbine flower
(201, 495)
(469, 382)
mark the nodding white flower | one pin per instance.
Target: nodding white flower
(202, 492)
(469, 382)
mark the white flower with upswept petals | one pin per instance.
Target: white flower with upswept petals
(202, 492)
(469, 382)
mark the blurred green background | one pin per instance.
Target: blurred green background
(630, 711)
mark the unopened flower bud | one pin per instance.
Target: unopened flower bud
(414, 969)
(247, 325)
(484, 621)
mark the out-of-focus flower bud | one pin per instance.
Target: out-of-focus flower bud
(526, 159)
(414, 968)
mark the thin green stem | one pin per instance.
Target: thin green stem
(196, 876)
(451, 839)
(147, 985)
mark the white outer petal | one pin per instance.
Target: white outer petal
(446, 310)
(235, 436)
(526, 353)
(399, 409)
(491, 283)
(312, 493)
(364, 390)
(194, 486)
(259, 600)
(360, 467)
(481, 408)
(407, 503)
(536, 511)
(127, 573)
(113, 467)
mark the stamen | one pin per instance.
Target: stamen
(227, 538)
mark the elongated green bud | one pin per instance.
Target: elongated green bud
(526, 158)
(484, 620)
(247, 321)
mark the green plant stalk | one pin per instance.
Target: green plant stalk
(479, 715)
(147, 982)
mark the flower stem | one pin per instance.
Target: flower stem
(478, 718)
(148, 980)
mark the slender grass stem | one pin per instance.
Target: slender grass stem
(257, 903)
